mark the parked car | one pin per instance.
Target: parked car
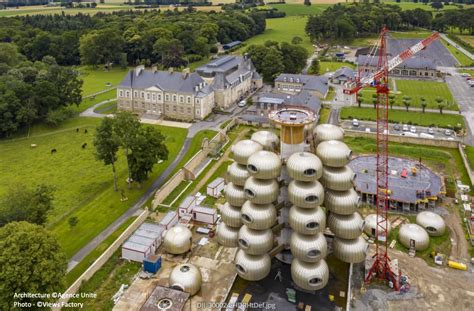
(405, 128)
(424, 135)
(242, 103)
(447, 132)
(465, 75)
(413, 129)
(396, 127)
(430, 131)
(355, 122)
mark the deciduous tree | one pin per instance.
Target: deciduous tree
(107, 144)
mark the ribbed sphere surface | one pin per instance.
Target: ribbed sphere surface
(414, 232)
(308, 248)
(255, 242)
(227, 236)
(310, 276)
(237, 174)
(307, 220)
(350, 251)
(177, 240)
(305, 194)
(186, 277)
(341, 202)
(334, 153)
(371, 223)
(337, 178)
(235, 195)
(231, 215)
(267, 139)
(264, 165)
(258, 216)
(243, 149)
(251, 267)
(346, 226)
(261, 191)
(433, 223)
(324, 132)
(304, 166)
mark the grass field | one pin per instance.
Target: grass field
(445, 161)
(415, 89)
(410, 34)
(324, 115)
(283, 30)
(407, 5)
(470, 155)
(399, 116)
(469, 71)
(96, 79)
(91, 101)
(84, 186)
(295, 9)
(460, 56)
(333, 66)
(108, 108)
(468, 39)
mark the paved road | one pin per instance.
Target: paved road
(457, 46)
(83, 252)
(410, 109)
(89, 112)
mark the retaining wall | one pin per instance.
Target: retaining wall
(466, 164)
(407, 139)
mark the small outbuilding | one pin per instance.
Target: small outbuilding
(215, 188)
(170, 219)
(143, 242)
(205, 214)
(433, 223)
(186, 207)
(413, 235)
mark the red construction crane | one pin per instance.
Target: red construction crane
(378, 79)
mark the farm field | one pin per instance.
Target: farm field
(400, 116)
(406, 5)
(415, 89)
(84, 186)
(468, 39)
(96, 79)
(298, 9)
(282, 30)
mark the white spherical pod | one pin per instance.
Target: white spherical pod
(308, 248)
(264, 165)
(341, 202)
(258, 216)
(338, 178)
(186, 278)
(310, 276)
(304, 166)
(267, 139)
(261, 191)
(178, 240)
(416, 233)
(433, 223)
(346, 226)
(231, 215)
(334, 153)
(255, 242)
(305, 194)
(307, 220)
(350, 251)
(243, 149)
(237, 174)
(370, 225)
(235, 195)
(251, 267)
(324, 132)
(227, 236)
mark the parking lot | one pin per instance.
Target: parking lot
(399, 129)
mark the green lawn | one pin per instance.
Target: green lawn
(324, 115)
(176, 191)
(297, 9)
(470, 155)
(89, 259)
(84, 186)
(282, 30)
(463, 60)
(333, 66)
(417, 89)
(407, 5)
(420, 34)
(96, 79)
(400, 116)
(331, 94)
(445, 161)
(108, 108)
(469, 71)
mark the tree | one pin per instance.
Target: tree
(391, 100)
(101, 46)
(359, 100)
(407, 102)
(31, 261)
(423, 104)
(147, 149)
(307, 2)
(169, 52)
(296, 40)
(107, 144)
(9, 54)
(72, 221)
(295, 57)
(27, 204)
(126, 128)
(437, 5)
(272, 65)
(315, 67)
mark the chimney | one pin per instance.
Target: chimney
(139, 69)
(171, 70)
(185, 72)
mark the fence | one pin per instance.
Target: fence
(102, 259)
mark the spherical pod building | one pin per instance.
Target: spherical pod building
(186, 278)
(325, 132)
(267, 139)
(433, 223)
(409, 232)
(370, 225)
(252, 267)
(178, 240)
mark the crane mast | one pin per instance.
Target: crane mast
(381, 267)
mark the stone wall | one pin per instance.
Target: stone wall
(466, 164)
(407, 139)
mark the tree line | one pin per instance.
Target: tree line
(168, 38)
(348, 21)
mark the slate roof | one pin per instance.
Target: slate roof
(310, 82)
(411, 63)
(165, 80)
(303, 98)
(344, 71)
(221, 64)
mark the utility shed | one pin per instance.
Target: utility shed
(205, 214)
(215, 188)
(143, 242)
(163, 298)
(135, 252)
(169, 220)
(186, 207)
